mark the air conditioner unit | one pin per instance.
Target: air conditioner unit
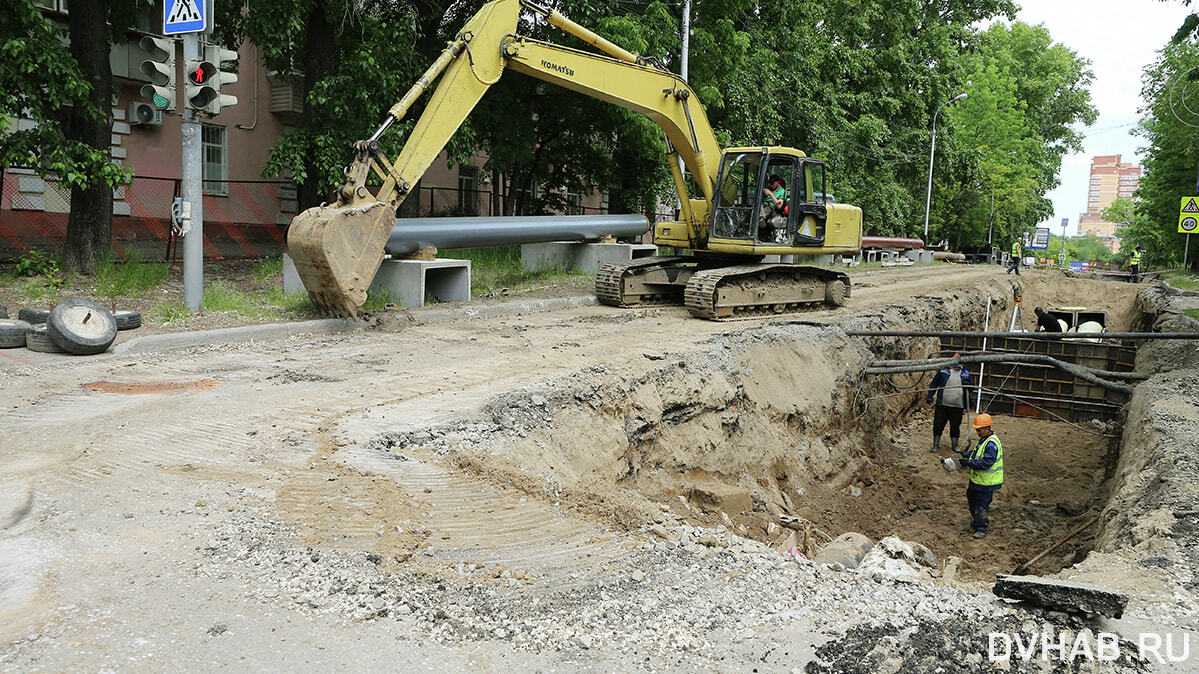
(144, 114)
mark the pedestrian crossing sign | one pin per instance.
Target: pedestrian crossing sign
(185, 16)
(1188, 215)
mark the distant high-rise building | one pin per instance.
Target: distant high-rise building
(1110, 180)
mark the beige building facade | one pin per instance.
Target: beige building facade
(1111, 179)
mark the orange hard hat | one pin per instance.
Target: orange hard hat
(982, 421)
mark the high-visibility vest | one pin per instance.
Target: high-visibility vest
(1015, 249)
(1135, 258)
(994, 474)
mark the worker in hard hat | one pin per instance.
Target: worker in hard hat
(985, 466)
(951, 389)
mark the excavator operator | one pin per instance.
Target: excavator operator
(774, 209)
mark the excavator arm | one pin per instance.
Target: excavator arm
(337, 248)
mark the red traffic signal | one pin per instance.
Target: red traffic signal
(201, 73)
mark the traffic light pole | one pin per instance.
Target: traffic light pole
(193, 190)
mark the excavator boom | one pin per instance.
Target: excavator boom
(338, 248)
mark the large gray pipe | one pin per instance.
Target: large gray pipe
(413, 234)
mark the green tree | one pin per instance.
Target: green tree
(1135, 228)
(1171, 132)
(1026, 97)
(66, 91)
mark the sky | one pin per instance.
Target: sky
(1119, 37)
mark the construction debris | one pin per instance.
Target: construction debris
(1061, 595)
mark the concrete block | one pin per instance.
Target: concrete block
(121, 208)
(26, 125)
(583, 256)
(118, 114)
(118, 193)
(120, 127)
(919, 256)
(1061, 595)
(119, 153)
(411, 281)
(283, 218)
(31, 185)
(291, 278)
(114, 139)
(288, 205)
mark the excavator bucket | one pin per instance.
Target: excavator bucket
(337, 250)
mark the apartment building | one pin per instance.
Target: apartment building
(1111, 179)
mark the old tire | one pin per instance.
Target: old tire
(81, 327)
(836, 293)
(38, 339)
(33, 316)
(127, 320)
(12, 333)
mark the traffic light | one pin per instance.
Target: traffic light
(160, 68)
(205, 79)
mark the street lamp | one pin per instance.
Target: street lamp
(933, 148)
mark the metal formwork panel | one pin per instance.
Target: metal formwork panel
(1025, 387)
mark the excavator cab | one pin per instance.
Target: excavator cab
(745, 212)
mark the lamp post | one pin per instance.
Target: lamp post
(933, 148)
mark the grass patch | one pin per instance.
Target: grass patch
(38, 289)
(222, 297)
(294, 303)
(268, 269)
(1193, 313)
(378, 299)
(1182, 280)
(168, 312)
(499, 267)
(131, 278)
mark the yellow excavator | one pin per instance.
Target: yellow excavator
(741, 214)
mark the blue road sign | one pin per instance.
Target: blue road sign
(184, 16)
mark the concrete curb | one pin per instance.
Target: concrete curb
(333, 326)
(244, 333)
(505, 309)
(1181, 291)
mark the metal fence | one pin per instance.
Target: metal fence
(242, 218)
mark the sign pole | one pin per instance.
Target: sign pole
(193, 192)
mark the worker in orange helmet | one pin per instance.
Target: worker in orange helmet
(985, 466)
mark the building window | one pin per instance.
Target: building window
(215, 151)
(468, 190)
(574, 203)
(53, 5)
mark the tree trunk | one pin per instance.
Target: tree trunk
(320, 61)
(89, 225)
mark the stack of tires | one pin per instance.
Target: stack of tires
(77, 326)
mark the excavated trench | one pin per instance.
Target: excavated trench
(779, 419)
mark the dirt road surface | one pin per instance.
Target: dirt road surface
(150, 501)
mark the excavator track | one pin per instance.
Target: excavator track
(622, 284)
(756, 290)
